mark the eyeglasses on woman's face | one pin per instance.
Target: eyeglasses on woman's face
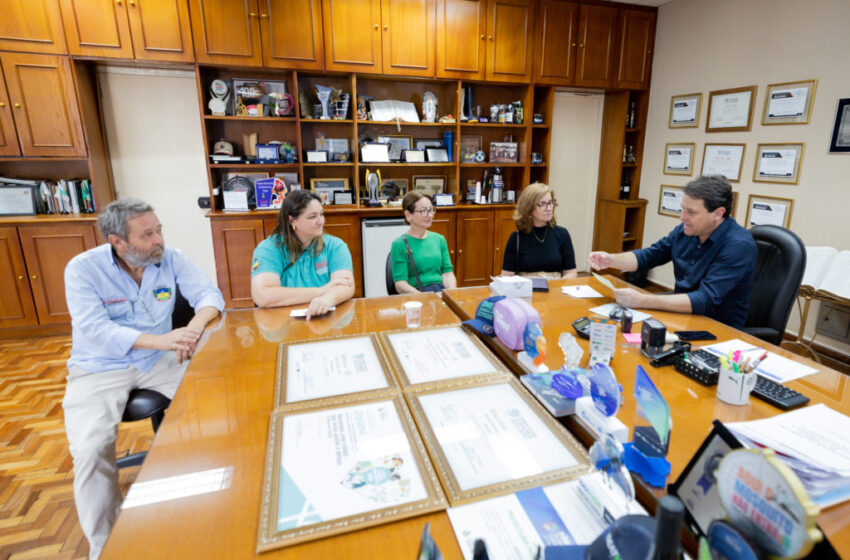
(425, 212)
(544, 204)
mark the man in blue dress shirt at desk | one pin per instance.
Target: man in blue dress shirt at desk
(121, 298)
(713, 258)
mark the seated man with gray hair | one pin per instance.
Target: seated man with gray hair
(713, 258)
(121, 298)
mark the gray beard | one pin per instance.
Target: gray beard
(137, 260)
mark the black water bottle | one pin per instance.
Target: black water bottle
(668, 530)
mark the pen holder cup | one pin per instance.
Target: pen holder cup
(735, 388)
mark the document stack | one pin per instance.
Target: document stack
(812, 441)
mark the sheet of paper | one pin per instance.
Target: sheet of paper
(579, 292)
(637, 316)
(604, 281)
(782, 369)
(685, 111)
(777, 163)
(679, 158)
(514, 526)
(303, 312)
(789, 102)
(437, 354)
(345, 461)
(333, 367)
(490, 435)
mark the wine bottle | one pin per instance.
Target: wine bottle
(625, 185)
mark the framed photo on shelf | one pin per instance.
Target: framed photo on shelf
(684, 110)
(413, 156)
(670, 200)
(314, 486)
(373, 152)
(840, 142)
(437, 155)
(778, 163)
(317, 156)
(429, 185)
(329, 185)
(425, 143)
(392, 189)
(398, 143)
(679, 159)
(469, 144)
(789, 102)
(723, 159)
(769, 210)
(503, 152)
(731, 110)
(343, 197)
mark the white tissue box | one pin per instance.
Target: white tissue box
(512, 286)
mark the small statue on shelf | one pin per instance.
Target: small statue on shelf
(429, 107)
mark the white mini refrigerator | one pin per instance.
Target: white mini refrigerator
(378, 235)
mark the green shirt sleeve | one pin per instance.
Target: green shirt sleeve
(398, 259)
(447, 261)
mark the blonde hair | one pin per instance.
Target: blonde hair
(526, 204)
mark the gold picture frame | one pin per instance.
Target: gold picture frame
(673, 162)
(772, 166)
(726, 110)
(783, 102)
(723, 159)
(328, 183)
(770, 208)
(289, 395)
(685, 110)
(429, 185)
(465, 353)
(669, 199)
(517, 402)
(296, 463)
(398, 144)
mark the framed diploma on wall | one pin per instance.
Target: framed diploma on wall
(731, 110)
(723, 159)
(789, 102)
(684, 110)
(778, 163)
(670, 200)
(341, 468)
(769, 210)
(332, 370)
(679, 159)
(840, 142)
(510, 442)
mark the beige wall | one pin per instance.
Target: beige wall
(705, 45)
(157, 151)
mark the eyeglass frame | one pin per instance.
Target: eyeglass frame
(432, 211)
(543, 205)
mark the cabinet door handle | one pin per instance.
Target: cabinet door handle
(2, 104)
(490, 37)
(35, 277)
(573, 44)
(581, 45)
(497, 248)
(264, 15)
(21, 277)
(118, 2)
(460, 251)
(376, 27)
(17, 105)
(386, 28)
(132, 2)
(252, 14)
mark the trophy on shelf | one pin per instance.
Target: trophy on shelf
(324, 95)
(373, 183)
(219, 97)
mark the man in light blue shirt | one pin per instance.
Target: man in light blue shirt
(121, 298)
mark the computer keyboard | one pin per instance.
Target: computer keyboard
(777, 394)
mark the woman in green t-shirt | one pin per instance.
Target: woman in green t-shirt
(420, 258)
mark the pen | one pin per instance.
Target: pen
(758, 361)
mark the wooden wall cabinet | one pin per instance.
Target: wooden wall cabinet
(226, 32)
(475, 230)
(141, 29)
(595, 52)
(234, 241)
(380, 36)
(479, 40)
(504, 225)
(291, 34)
(44, 106)
(33, 26)
(637, 38)
(556, 42)
(32, 281)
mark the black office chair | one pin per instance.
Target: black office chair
(776, 281)
(146, 403)
(389, 277)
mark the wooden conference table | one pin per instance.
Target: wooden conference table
(219, 419)
(692, 406)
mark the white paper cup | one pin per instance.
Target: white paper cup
(734, 388)
(413, 314)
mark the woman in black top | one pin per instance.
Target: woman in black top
(544, 249)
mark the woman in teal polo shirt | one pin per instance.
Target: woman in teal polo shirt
(427, 250)
(298, 263)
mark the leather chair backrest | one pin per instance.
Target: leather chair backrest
(778, 272)
(183, 312)
(389, 277)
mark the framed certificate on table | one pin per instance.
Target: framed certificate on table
(768, 210)
(440, 356)
(493, 439)
(342, 468)
(789, 102)
(684, 110)
(778, 163)
(679, 159)
(723, 159)
(731, 110)
(331, 370)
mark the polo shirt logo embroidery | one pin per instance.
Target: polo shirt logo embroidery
(255, 265)
(322, 266)
(162, 293)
